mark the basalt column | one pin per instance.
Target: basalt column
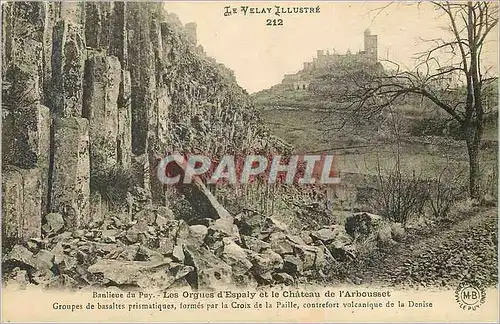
(70, 142)
(102, 83)
(26, 123)
(143, 87)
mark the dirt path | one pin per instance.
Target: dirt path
(467, 250)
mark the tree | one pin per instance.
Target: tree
(449, 74)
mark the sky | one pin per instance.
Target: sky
(260, 55)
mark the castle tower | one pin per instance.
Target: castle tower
(191, 32)
(371, 45)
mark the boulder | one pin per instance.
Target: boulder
(384, 235)
(158, 275)
(334, 235)
(254, 244)
(307, 255)
(362, 224)
(202, 200)
(199, 232)
(165, 213)
(210, 271)
(136, 233)
(283, 278)
(146, 254)
(44, 260)
(264, 263)
(397, 232)
(54, 223)
(178, 253)
(280, 243)
(223, 227)
(292, 264)
(249, 223)
(272, 225)
(19, 256)
(147, 216)
(236, 257)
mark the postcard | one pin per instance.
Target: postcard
(235, 161)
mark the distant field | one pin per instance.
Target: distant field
(359, 149)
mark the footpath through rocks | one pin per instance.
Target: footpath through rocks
(466, 251)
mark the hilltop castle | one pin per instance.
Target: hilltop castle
(301, 79)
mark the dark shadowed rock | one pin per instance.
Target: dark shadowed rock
(292, 264)
(249, 223)
(361, 224)
(283, 278)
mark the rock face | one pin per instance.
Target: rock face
(90, 87)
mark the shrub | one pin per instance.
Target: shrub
(398, 197)
(113, 184)
(445, 191)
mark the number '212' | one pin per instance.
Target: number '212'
(274, 22)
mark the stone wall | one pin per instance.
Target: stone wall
(91, 86)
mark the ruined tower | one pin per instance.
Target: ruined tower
(370, 43)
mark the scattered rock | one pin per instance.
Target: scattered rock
(54, 223)
(249, 223)
(210, 271)
(146, 254)
(254, 244)
(397, 232)
(20, 257)
(199, 232)
(292, 264)
(44, 260)
(283, 278)
(144, 274)
(164, 213)
(236, 257)
(280, 243)
(147, 216)
(335, 235)
(384, 235)
(361, 223)
(134, 233)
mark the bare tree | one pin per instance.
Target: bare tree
(449, 74)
